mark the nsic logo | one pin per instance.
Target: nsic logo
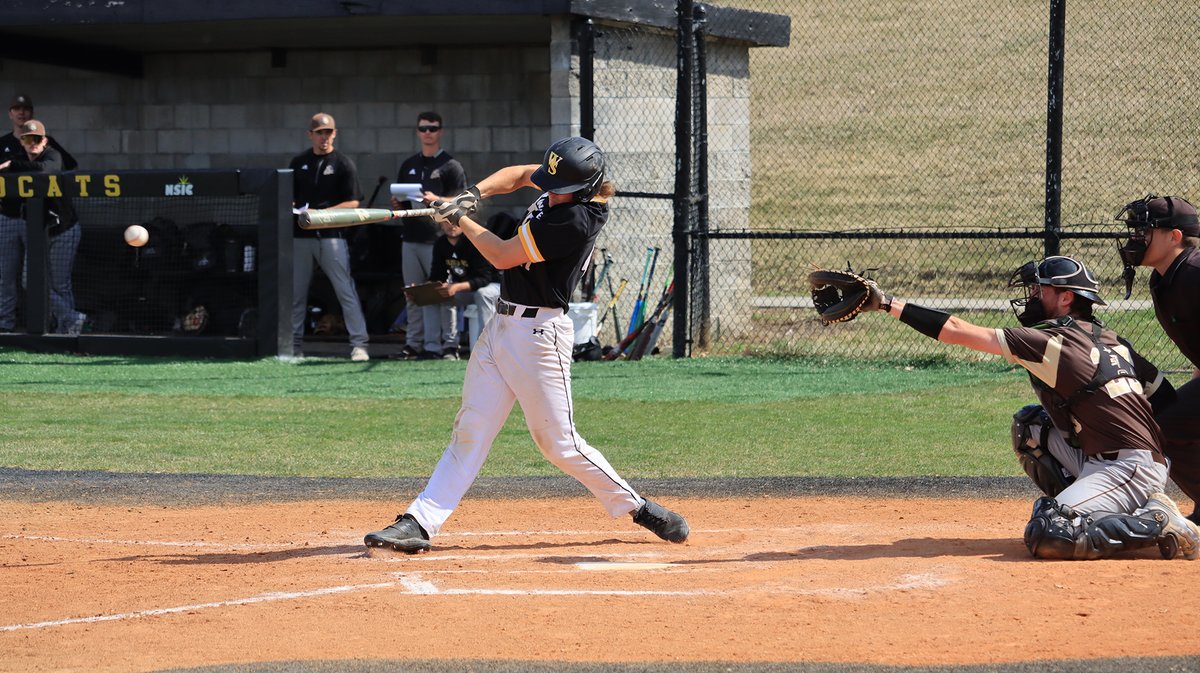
(181, 188)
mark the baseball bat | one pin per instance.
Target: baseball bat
(611, 303)
(375, 194)
(655, 315)
(636, 314)
(600, 276)
(332, 218)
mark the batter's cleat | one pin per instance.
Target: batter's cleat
(405, 535)
(662, 522)
(1179, 536)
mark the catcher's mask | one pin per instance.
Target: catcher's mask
(1059, 272)
(571, 166)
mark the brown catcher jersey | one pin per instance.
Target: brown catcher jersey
(1064, 359)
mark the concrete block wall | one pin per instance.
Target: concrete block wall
(234, 110)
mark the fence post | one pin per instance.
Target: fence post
(700, 279)
(586, 38)
(1054, 118)
(685, 57)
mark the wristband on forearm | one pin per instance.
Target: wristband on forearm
(927, 321)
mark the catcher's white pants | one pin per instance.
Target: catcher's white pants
(1120, 486)
(527, 360)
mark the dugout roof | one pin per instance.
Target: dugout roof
(113, 37)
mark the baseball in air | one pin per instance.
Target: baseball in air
(136, 235)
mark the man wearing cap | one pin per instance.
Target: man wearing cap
(62, 229)
(20, 110)
(325, 178)
(1164, 233)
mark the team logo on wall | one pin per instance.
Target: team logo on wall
(181, 188)
(552, 162)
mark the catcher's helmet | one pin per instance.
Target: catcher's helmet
(1059, 272)
(571, 166)
(1164, 212)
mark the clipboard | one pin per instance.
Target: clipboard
(424, 294)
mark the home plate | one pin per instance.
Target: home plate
(620, 565)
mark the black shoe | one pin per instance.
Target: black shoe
(450, 355)
(662, 522)
(408, 353)
(430, 355)
(404, 535)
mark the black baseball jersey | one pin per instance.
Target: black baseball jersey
(1064, 359)
(559, 241)
(440, 174)
(59, 211)
(10, 148)
(1177, 303)
(322, 181)
(461, 262)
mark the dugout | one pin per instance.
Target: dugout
(209, 283)
(186, 87)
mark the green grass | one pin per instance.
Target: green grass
(655, 418)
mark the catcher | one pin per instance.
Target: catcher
(1111, 472)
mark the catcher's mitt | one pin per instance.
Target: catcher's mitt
(840, 296)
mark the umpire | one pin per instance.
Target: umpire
(1164, 233)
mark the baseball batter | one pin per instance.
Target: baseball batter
(524, 353)
(1108, 443)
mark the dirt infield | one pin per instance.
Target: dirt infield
(841, 580)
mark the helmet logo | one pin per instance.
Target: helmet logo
(552, 160)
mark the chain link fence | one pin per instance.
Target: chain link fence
(912, 138)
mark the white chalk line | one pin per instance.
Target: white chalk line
(261, 598)
(414, 584)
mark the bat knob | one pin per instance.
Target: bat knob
(304, 219)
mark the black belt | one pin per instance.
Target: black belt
(505, 308)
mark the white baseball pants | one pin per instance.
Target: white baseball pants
(526, 360)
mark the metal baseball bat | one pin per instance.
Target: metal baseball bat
(332, 218)
(611, 303)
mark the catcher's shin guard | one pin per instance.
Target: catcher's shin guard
(1057, 532)
(1030, 428)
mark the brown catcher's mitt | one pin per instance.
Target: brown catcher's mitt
(839, 296)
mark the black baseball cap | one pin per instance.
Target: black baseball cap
(21, 100)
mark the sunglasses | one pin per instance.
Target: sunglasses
(429, 129)
(31, 140)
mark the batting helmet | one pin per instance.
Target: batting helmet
(571, 166)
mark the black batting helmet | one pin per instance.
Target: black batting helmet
(571, 166)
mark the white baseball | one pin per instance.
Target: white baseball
(136, 235)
